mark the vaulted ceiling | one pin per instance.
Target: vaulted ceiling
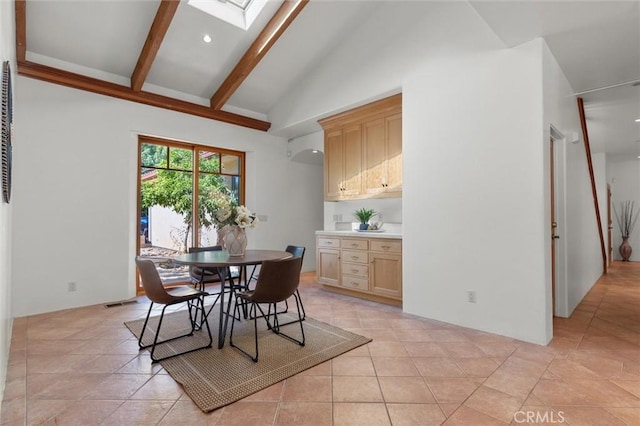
(151, 51)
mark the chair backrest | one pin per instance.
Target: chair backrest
(278, 280)
(296, 251)
(196, 272)
(151, 281)
(199, 249)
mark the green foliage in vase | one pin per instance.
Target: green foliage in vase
(364, 215)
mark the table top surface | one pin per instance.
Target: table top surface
(220, 258)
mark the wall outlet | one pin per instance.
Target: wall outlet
(72, 286)
(263, 217)
(337, 218)
(471, 296)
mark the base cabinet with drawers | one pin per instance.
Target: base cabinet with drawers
(370, 268)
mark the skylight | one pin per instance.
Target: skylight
(242, 4)
(240, 13)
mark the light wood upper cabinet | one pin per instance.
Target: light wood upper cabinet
(393, 146)
(363, 151)
(343, 163)
(382, 146)
(333, 164)
(374, 156)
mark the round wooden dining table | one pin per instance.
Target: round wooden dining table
(221, 259)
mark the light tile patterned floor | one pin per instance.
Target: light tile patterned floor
(82, 367)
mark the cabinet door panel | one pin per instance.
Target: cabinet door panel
(352, 158)
(385, 274)
(394, 152)
(334, 164)
(328, 266)
(374, 156)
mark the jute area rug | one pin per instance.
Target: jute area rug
(216, 377)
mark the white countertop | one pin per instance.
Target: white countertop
(363, 234)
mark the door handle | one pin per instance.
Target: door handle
(555, 237)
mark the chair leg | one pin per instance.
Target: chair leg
(304, 313)
(301, 307)
(144, 327)
(236, 309)
(277, 325)
(157, 341)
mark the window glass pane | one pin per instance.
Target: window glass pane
(167, 201)
(207, 185)
(154, 155)
(180, 158)
(209, 161)
(147, 174)
(230, 164)
(233, 183)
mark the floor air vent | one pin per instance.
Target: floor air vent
(124, 302)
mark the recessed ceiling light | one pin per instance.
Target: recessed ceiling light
(315, 151)
(637, 120)
(206, 38)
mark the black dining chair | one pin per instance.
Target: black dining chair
(296, 251)
(200, 277)
(157, 294)
(278, 281)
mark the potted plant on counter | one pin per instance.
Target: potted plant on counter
(364, 215)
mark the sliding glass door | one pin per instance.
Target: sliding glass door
(171, 218)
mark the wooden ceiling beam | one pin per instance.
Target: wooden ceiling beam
(267, 38)
(77, 81)
(592, 178)
(164, 16)
(21, 30)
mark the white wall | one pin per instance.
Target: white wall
(7, 53)
(432, 30)
(579, 256)
(389, 213)
(75, 191)
(624, 177)
(437, 33)
(473, 148)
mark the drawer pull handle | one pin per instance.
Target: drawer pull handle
(354, 245)
(354, 257)
(329, 242)
(386, 247)
(355, 283)
(355, 271)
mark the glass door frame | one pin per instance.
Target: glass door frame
(196, 149)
